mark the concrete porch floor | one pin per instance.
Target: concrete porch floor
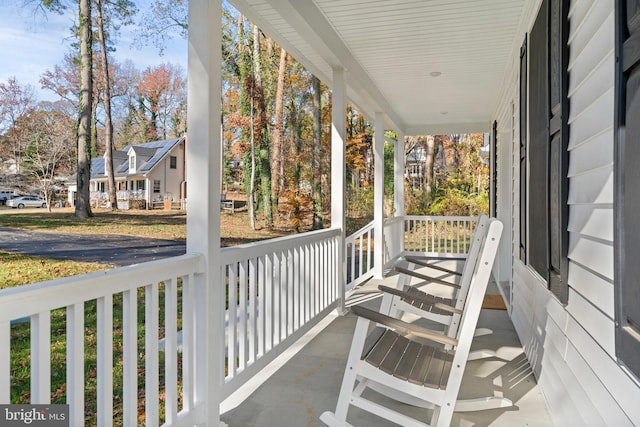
(305, 381)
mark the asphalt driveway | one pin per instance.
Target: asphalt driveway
(108, 249)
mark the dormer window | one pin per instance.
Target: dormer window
(132, 163)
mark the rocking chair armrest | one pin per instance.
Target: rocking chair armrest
(403, 294)
(425, 277)
(402, 327)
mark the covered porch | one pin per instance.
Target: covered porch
(280, 350)
(304, 381)
(217, 318)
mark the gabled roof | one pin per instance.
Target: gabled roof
(141, 151)
(153, 152)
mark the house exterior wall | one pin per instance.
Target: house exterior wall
(170, 179)
(572, 347)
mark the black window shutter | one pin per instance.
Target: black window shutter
(539, 142)
(523, 150)
(559, 157)
(628, 184)
(493, 155)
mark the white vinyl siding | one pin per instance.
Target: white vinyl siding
(572, 348)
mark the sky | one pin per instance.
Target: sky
(32, 43)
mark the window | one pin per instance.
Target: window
(132, 163)
(173, 162)
(140, 184)
(546, 210)
(627, 175)
(156, 186)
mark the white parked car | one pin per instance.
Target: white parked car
(27, 202)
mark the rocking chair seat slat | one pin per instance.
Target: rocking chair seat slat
(394, 354)
(380, 350)
(439, 368)
(372, 339)
(409, 360)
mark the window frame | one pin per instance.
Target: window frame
(173, 162)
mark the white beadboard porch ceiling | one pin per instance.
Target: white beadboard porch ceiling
(390, 48)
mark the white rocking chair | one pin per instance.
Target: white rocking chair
(407, 298)
(416, 363)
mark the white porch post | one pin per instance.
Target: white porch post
(203, 206)
(398, 193)
(338, 173)
(378, 197)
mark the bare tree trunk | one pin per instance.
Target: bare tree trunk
(428, 173)
(83, 206)
(251, 202)
(108, 124)
(316, 174)
(246, 97)
(277, 175)
(263, 138)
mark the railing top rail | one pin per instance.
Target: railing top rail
(442, 218)
(361, 230)
(22, 301)
(393, 219)
(264, 247)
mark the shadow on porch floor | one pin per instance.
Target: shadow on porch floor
(306, 383)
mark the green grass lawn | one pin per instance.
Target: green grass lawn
(157, 224)
(20, 269)
(234, 228)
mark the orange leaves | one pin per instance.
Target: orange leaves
(357, 148)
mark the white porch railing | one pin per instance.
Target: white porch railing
(145, 321)
(127, 301)
(438, 236)
(359, 254)
(282, 288)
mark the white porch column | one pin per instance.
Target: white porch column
(398, 192)
(203, 201)
(338, 173)
(378, 196)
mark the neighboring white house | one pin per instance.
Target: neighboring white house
(148, 174)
